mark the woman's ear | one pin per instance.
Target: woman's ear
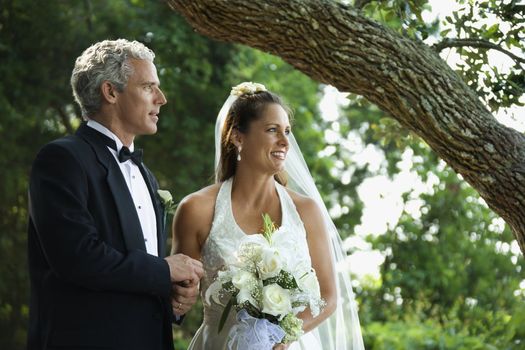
(109, 92)
(236, 138)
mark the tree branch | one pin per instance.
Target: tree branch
(479, 43)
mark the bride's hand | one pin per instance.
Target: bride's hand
(281, 346)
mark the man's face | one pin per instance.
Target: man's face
(139, 104)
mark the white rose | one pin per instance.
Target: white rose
(270, 264)
(244, 280)
(276, 300)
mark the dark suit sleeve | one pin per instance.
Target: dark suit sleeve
(68, 236)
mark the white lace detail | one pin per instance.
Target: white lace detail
(221, 244)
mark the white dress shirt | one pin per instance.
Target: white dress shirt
(137, 188)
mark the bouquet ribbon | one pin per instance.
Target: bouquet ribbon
(254, 333)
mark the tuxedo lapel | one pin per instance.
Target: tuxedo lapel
(129, 220)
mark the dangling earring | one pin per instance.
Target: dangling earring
(239, 154)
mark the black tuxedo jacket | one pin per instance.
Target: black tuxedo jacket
(93, 286)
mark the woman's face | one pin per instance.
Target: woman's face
(265, 144)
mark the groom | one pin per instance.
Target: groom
(96, 242)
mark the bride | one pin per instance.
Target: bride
(257, 158)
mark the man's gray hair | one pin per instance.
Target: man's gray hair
(105, 60)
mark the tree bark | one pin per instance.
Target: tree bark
(335, 44)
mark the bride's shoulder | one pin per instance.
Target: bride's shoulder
(201, 201)
(194, 215)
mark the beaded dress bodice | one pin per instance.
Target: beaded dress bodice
(225, 236)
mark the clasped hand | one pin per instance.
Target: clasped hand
(185, 275)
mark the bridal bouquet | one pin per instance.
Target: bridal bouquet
(267, 289)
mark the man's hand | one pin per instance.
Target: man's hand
(184, 268)
(281, 346)
(185, 294)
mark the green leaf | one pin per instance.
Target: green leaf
(225, 314)
(268, 227)
(491, 31)
(445, 32)
(389, 16)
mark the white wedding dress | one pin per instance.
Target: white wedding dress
(222, 242)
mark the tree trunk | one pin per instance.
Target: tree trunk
(335, 44)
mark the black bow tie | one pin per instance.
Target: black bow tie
(125, 154)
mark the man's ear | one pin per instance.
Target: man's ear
(109, 92)
(236, 138)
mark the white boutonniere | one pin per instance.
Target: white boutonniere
(167, 201)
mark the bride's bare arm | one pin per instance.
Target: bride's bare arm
(318, 244)
(192, 222)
